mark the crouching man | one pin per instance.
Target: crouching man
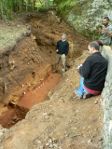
(93, 72)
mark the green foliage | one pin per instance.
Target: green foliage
(64, 6)
(9, 7)
(6, 8)
(75, 12)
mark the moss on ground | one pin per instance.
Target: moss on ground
(10, 34)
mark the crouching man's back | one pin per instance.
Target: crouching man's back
(93, 72)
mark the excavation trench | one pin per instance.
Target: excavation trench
(27, 69)
(29, 80)
(17, 111)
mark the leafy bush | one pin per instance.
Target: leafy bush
(9, 7)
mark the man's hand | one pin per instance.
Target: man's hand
(79, 67)
(105, 30)
(57, 50)
(99, 29)
(110, 34)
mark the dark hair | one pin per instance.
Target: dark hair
(95, 45)
(107, 18)
(100, 42)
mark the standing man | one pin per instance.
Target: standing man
(106, 32)
(93, 72)
(62, 49)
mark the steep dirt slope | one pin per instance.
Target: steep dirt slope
(29, 52)
(61, 122)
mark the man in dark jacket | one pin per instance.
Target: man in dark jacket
(62, 49)
(93, 72)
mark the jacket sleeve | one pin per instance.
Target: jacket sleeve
(57, 45)
(85, 69)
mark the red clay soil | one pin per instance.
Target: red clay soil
(12, 116)
(47, 32)
(15, 113)
(40, 93)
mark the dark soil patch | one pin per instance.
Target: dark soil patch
(14, 114)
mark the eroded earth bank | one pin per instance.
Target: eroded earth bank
(32, 88)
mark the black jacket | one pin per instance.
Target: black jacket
(63, 47)
(94, 71)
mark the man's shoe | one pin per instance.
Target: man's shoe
(87, 95)
(78, 93)
(75, 97)
(63, 70)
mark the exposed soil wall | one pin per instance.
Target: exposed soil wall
(60, 122)
(27, 62)
(23, 61)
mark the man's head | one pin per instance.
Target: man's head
(105, 21)
(93, 47)
(64, 36)
(100, 43)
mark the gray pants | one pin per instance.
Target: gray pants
(62, 58)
